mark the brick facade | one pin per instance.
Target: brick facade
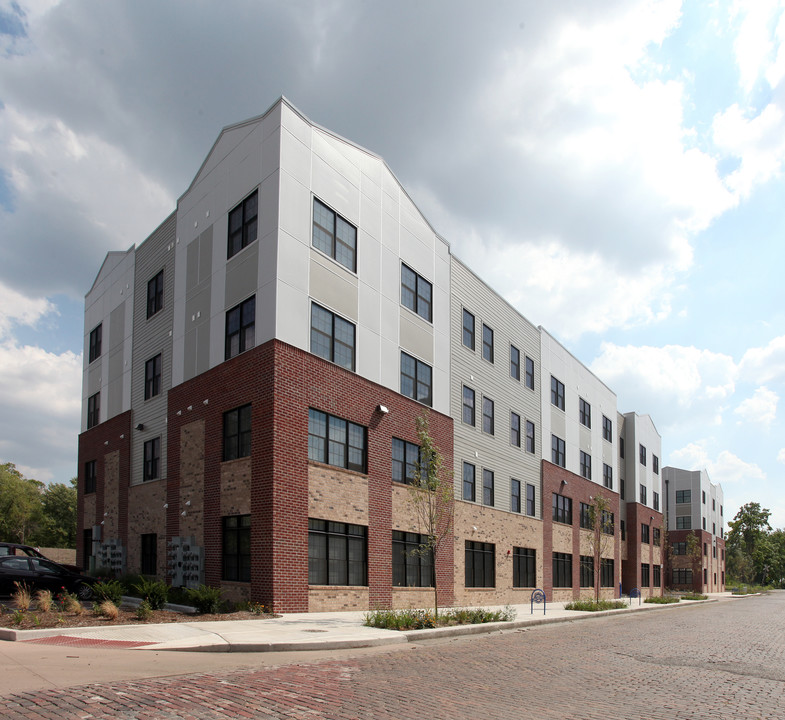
(709, 574)
(640, 552)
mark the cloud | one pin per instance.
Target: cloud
(18, 309)
(725, 469)
(765, 364)
(760, 409)
(781, 456)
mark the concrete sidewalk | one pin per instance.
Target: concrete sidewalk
(298, 631)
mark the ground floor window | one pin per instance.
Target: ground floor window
(587, 571)
(606, 573)
(149, 554)
(524, 567)
(682, 576)
(237, 548)
(480, 564)
(87, 548)
(562, 570)
(645, 575)
(411, 566)
(656, 575)
(337, 553)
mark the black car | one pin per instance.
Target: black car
(7, 548)
(42, 574)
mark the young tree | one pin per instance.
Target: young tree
(601, 540)
(695, 556)
(432, 497)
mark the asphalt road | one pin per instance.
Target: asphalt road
(720, 660)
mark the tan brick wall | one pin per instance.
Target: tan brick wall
(88, 511)
(235, 592)
(335, 598)
(337, 495)
(146, 514)
(236, 487)
(192, 481)
(111, 520)
(562, 537)
(407, 598)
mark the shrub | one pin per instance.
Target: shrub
(107, 609)
(144, 611)
(694, 596)
(206, 600)
(661, 600)
(155, 592)
(22, 597)
(254, 607)
(595, 605)
(111, 590)
(44, 600)
(420, 619)
(71, 604)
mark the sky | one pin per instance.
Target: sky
(614, 169)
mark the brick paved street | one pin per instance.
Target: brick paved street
(720, 660)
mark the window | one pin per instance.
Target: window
(335, 441)
(643, 494)
(416, 293)
(152, 377)
(714, 528)
(530, 373)
(412, 561)
(562, 509)
(515, 495)
(644, 533)
(586, 465)
(562, 570)
(468, 482)
(679, 548)
(468, 406)
(90, 477)
(332, 337)
(152, 458)
(655, 464)
(587, 571)
(468, 329)
(657, 576)
(606, 573)
(683, 522)
(623, 528)
(714, 551)
(703, 493)
(415, 379)
(530, 495)
(655, 536)
(95, 343)
(557, 451)
(645, 582)
(608, 526)
(584, 412)
(155, 294)
(149, 565)
(480, 564)
(557, 393)
(705, 550)
(405, 456)
(607, 476)
(93, 410)
(524, 567)
(682, 576)
(515, 429)
(642, 452)
(655, 497)
(334, 236)
(621, 488)
(515, 363)
(607, 429)
(713, 504)
(621, 448)
(487, 343)
(337, 553)
(243, 222)
(585, 517)
(487, 415)
(720, 509)
(683, 496)
(487, 487)
(240, 322)
(529, 436)
(237, 433)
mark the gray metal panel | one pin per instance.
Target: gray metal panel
(116, 365)
(115, 397)
(416, 336)
(117, 326)
(332, 286)
(242, 275)
(94, 379)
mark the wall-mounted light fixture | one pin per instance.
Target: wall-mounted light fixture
(166, 505)
(383, 409)
(140, 426)
(183, 513)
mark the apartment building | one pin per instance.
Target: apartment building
(254, 371)
(696, 534)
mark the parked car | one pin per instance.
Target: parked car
(19, 549)
(42, 574)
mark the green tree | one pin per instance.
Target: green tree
(749, 554)
(433, 498)
(58, 521)
(20, 504)
(695, 556)
(601, 539)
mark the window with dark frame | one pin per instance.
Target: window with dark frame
(587, 571)
(585, 517)
(237, 433)
(155, 294)
(623, 529)
(645, 579)
(152, 377)
(642, 452)
(557, 393)
(515, 429)
(584, 412)
(416, 379)
(412, 562)
(152, 459)
(557, 451)
(480, 564)
(529, 436)
(240, 323)
(335, 441)
(703, 494)
(337, 553)
(656, 576)
(531, 508)
(90, 477)
(149, 554)
(93, 410)
(643, 494)
(243, 224)
(515, 363)
(332, 337)
(683, 496)
(683, 522)
(487, 487)
(644, 533)
(655, 501)
(469, 482)
(655, 464)
(529, 373)
(468, 329)
(562, 509)
(585, 465)
(682, 576)
(524, 567)
(562, 570)
(606, 573)
(621, 448)
(487, 416)
(487, 343)
(608, 525)
(416, 293)
(621, 488)
(334, 236)
(405, 456)
(515, 495)
(94, 348)
(607, 476)
(679, 548)
(607, 429)
(655, 536)
(468, 406)
(236, 548)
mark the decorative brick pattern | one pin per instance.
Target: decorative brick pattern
(638, 552)
(146, 514)
(236, 487)
(337, 495)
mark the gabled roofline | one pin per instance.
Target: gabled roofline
(118, 256)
